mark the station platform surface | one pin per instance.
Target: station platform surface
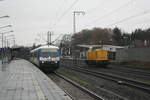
(21, 80)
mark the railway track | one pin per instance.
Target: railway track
(131, 70)
(124, 69)
(92, 94)
(124, 72)
(115, 78)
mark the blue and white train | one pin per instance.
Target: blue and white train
(46, 57)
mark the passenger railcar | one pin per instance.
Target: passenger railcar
(46, 57)
(97, 57)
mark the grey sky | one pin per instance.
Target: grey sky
(32, 17)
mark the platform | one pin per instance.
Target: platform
(21, 80)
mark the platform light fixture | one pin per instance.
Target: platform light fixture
(6, 16)
(2, 42)
(5, 26)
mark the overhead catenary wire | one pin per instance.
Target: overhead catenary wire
(130, 17)
(144, 21)
(92, 10)
(57, 38)
(57, 13)
(111, 12)
(65, 12)
(42, 38)
(99, 4)
(142, 24)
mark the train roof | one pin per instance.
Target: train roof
(45, 47)
(104, 47)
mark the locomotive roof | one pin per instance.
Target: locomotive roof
(45, 47)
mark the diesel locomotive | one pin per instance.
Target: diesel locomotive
(97, 57)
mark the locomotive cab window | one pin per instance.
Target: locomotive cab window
(49, 53)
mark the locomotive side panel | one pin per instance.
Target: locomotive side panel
(101, 54)
(97, 57)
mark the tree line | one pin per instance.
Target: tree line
(106, 36)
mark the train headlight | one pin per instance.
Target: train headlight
(41, 58)
(42, 61)
(57, 58)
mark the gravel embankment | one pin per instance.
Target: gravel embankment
(106, 88)
(73, 91)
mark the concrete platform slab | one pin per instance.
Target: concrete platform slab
(21, 80)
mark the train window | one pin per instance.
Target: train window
(49, 54)
(49, 50)
(31, 54)
(34, 54)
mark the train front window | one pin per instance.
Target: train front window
(49, 53)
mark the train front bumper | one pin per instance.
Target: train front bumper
(49, 66)
(49, 63)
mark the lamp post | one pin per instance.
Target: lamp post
(5, 26)
(6, 16)
(74, 19)
(8, 38)
(8, 54)
(2, 43)
(3, 34)
(74, 26)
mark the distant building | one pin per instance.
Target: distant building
(105, 47)
(140, 43)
